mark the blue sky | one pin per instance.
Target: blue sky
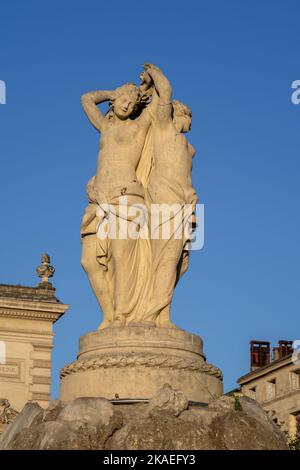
(233, 63)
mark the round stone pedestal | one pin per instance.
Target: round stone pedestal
(135, 361)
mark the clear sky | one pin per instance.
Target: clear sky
(233, 63)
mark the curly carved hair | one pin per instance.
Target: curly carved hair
(141, 96)
(129, 88)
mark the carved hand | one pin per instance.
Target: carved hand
(151, 66)
(145, 78)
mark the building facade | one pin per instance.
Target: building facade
(275, 382)
(27, 315)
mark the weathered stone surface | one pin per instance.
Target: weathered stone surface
(57, 435)
(85, 423)
(94, 423)
(53, 410)
(167, 399)
(203, 415)
(162, 431)
(94, 419)
(217, 426)
(222, 404)
(32, 413)
(252, 408)
(238, 431)
(51, 435)
(90, 411)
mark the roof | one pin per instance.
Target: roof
(281, 362)
(44, 292)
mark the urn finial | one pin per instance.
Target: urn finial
(45, 270)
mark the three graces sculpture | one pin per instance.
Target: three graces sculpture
(138, 226)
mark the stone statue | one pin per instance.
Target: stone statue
(144, 159)
(136, 234)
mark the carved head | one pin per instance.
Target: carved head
(126, 101)
(182, 116)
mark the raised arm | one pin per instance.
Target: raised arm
(162, 97)
(89, 103)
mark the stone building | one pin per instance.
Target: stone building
(275, 382)
(27, 315)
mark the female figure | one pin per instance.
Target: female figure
(169, 184)
(117, 268)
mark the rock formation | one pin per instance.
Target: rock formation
(167, 422)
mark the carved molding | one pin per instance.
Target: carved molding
(38, 396)
(18, 331)
(30, 314)
(41, 364)
(42, 347)
(13, 370)
(39, 379)
(140, 359)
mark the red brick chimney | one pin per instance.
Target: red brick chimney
(259, 354)
(285, 348)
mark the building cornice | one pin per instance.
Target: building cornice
(261, 371)
(31, 310)
(43, 292)
(24, 334)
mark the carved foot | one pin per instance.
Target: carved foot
(104, 324)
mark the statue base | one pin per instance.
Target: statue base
(135, 361)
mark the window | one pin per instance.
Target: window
(294, 423)
(252, 393)
(271, 389)
(295, 379)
